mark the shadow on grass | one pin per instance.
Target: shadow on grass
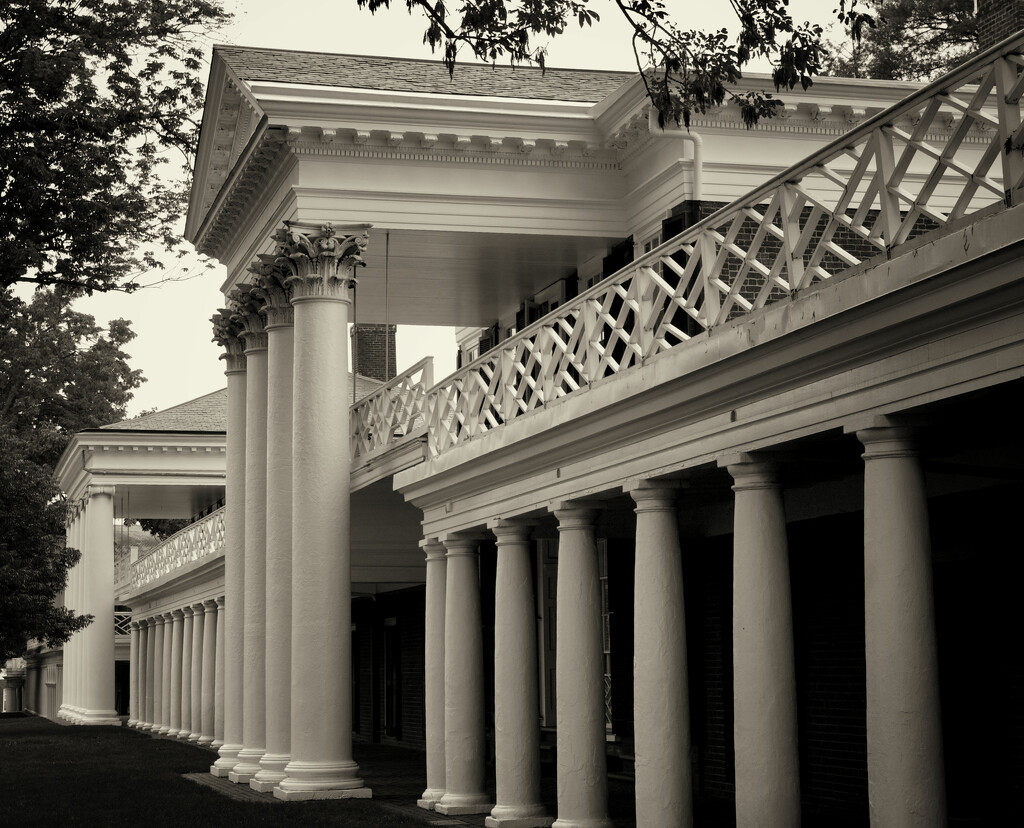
(54, 775)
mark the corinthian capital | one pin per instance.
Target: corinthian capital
(320, 263)
(269, 283)
(246, 305)
(226, 334)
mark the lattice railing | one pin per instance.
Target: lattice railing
(392, 412)
(938, 159)
(122, 622)
(197, 540)
(122, 567)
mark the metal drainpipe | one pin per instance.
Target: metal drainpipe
(697, 190)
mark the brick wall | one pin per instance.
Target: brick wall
(373, 351)
(998, 19)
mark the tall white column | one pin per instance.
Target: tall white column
(278, 675)
(230, 653)
(195, 690)
(174, 684)
(579, 674)
(661, 699)
(464, 755)
(133, 673)
(906, 778)
(764, 672)
(433, 672)
(209, 673)
(516, 694)
(219, 694)
(97, 654)
(152, 676)
(321, 276)
(158, 675)
(67, 706)
(185, 715)
(141, 719)
(254, 641)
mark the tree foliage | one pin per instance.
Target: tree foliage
(59, 373)
(912, 40)
(685, 71)
(96, 98)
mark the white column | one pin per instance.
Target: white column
(66, 708)
(254, 641)
(195, 690)
(906, 778)
(278, 677)
(764, 672)
(230, 655)
(152, 659)
(174, 707)
(433, 672)
(321, 695)
(463, 682)
(219, 694)
(516, 694)
(209, 674)
(185, 728)
(579, 674)
(97, 655)
(158, 675)
(133, 673)
(661, 699)
(140, 688)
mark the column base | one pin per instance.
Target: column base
(194, 737)
(248, 765)
(429, 798)
(163, 730)
(321, 780)
(271, 773)
(131, 723)
(598, 822)
(305, 796)
(455, 804)
(217, 744)
(526, 816)
(172, 733)
(99, 717)
(205, 741)
(227, 760)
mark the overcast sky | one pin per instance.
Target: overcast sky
(173, 347)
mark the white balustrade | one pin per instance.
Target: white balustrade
(945, 156)
(204, 538)
(392, 413)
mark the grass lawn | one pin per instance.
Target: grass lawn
(52, 775)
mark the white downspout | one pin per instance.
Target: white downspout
(697, 189)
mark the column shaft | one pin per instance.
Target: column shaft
(764, 672)
(133, 674)
(906, 778)
(433, 673)
(254, 707)
(177, 640)
(321, 727)
(463, 683)
(209, 673)
(158, 675)
(196, 684)
(185, 715)
(219, 693)
(152, 659)
(168, 696)
(143, 686)
(97, 654)
(579, 675)
(661, 703)
(516, 704)
(278, 597)
(230, 652)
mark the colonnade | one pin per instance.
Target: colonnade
(88, 680)
(176, 685)
(906, 786)
(287, 555)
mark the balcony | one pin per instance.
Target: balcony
(199, 541)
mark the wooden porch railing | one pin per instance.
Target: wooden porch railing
(201, 539)
(937, 160)
(392, 413)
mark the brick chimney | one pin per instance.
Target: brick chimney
(373, 351)
(998, 19)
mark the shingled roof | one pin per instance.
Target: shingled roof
(428, 76)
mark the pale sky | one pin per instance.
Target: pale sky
(173, 347)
